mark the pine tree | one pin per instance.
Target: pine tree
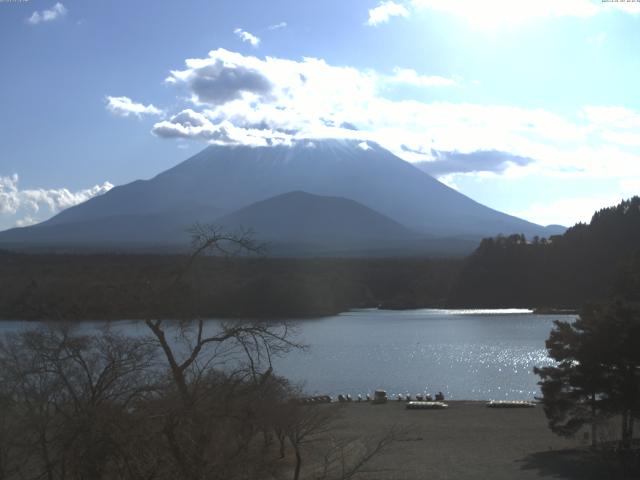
(597, 374)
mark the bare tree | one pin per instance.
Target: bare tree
(208, 403)
(209, 400)
(342, 461)
(306, 423)
(73, 394)
(309, 428)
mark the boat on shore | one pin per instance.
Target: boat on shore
(510, 404)
(426, 405)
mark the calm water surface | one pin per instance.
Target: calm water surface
(466, 354)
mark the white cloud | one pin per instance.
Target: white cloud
(630, 186)
(25, 207)
(55, 12)
(612, 116)
(221, 78)
(570, 210)
(383, 12)
(193, 125)
(509, 10)
(618, 125)
(567, 211)
(494, 13)
(312, 98)
(124, 107)
(247, 37)
(26, 221)
(411, 77)
(597, 39)
(188, 124)
(273, 94)
(445, 163)
(277, 26)
(9, 201)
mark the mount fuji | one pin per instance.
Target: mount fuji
(315, 197)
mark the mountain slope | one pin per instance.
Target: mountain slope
(227, 178)
(320, 223)
(130, 231)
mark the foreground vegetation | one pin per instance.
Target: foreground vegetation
(597, 374)
(183, 401)
(205, 406)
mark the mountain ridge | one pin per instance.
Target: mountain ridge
(225, 179)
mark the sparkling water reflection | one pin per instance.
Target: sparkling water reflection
(466, 354)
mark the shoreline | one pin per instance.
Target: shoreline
(454, 402)
(314, 316)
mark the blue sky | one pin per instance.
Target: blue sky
(95, 94)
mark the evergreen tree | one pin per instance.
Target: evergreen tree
(619, 334)
(597, 374)
(574, 390)
(587, 263)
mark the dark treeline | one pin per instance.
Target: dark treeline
(120, 286)
(590, 262)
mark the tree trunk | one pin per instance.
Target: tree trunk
(594, 442)
(626, 443)
(281, 440)
(177, 372)
(296, 473)
(266, 436)
(45, 453)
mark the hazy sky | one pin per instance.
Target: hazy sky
(530, 107)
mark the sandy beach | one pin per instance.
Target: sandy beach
(468, 441)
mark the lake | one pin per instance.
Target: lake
(466, 354)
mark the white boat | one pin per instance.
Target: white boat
(510, 404)
(426, 405)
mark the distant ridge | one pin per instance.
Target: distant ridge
(313, 223)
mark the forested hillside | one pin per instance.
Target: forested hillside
(589, 262)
